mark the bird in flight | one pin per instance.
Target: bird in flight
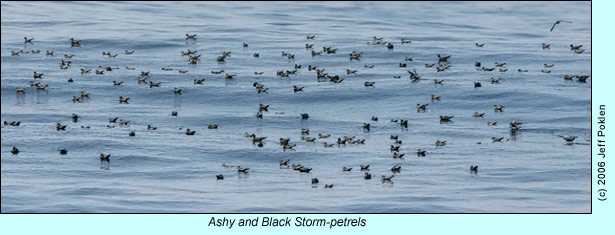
(557, 22)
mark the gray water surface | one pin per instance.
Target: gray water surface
(167, 171)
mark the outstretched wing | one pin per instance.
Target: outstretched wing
(552, 27)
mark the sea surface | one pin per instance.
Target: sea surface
(165, 170)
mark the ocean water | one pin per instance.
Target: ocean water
(165, 170)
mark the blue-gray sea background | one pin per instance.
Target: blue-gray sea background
(167, 171)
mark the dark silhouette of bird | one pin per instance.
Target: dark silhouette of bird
(557, 22)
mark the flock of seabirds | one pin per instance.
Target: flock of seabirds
(441, 63)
